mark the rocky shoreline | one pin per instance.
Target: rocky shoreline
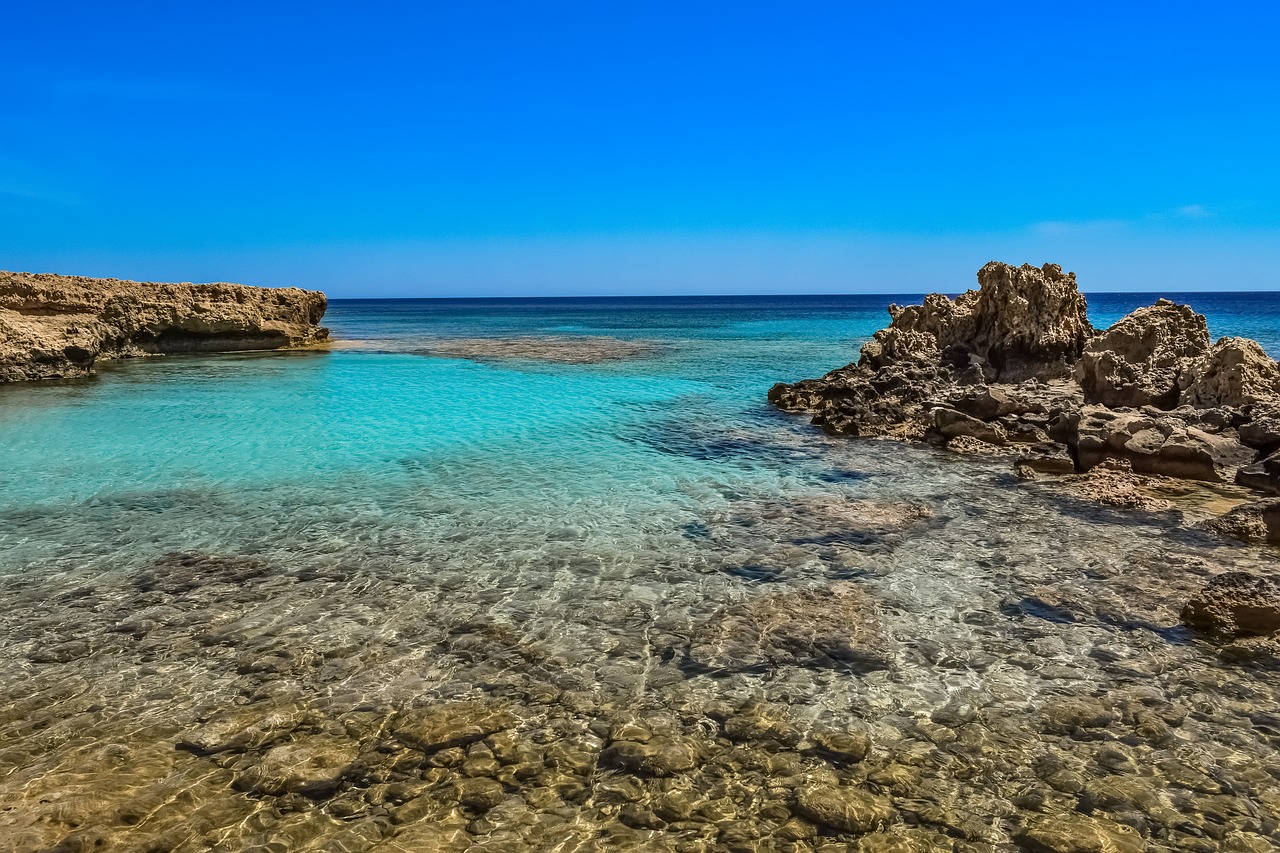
(59, 327)
(1016, 367)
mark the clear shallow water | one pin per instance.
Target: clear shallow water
(395, 532)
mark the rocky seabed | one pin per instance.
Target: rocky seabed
(886, 661)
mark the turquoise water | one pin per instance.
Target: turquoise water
(598, 515)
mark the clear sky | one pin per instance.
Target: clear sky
(478, 148)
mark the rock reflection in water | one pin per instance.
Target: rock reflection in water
(1001, 674)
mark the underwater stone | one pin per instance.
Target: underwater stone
(844, 808)
(835, 627)
(313, 767)
(1070, 833)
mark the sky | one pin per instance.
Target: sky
(548, 148)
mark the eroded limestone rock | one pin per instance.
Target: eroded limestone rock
(1237, 372)
(58, 327)
(1141, 359)
(1150, 391)
(1236, 604)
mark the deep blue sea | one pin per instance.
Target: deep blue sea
(594, 515)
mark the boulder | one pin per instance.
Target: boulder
(950, 423)
(1261, 428)
(1158, 443)
(58, 327)
(1263, 475)
(1257, 522)
(836, 627)
(1237, 372)
(1141, 359)
(1236, 604)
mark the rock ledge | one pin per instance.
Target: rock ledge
(58, 327)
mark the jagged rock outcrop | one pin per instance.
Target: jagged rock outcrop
(1016, 366)
(1237, 372)
(1141, 359)
(1021, 322)
(58, 327)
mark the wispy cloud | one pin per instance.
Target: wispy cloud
(1194, 211)
(21, 181)
(1059, 228)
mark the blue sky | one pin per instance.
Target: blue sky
(487, 148)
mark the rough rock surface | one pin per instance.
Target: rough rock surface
(1236, 604)
(1258, 521)
(1237, 372)
(1142, 358)
(1015, 367)
(1159, 443)
(57, 327)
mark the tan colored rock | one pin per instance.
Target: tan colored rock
(1237, 372)
(57, 327)
(1257, 521)
(313, 767)
(1077, 833)
(1020, 322)
(1157, 443)
(1141, 359)
(1236, 604)
(844, 808)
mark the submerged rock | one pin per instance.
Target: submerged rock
(834, 627)
(312, 767)
(58, 327)
(844, 808)
(1073, 833)
(554, 349)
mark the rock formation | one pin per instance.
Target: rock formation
(57, 327)
(1236, 604)
(1141, 359)
(1016, 366)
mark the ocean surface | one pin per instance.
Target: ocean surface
(238, 589)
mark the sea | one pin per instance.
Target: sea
(550, 574)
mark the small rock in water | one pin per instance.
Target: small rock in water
(1071, 833)
(1236, 604)
(312, 767)
(844, 808)
(835, 627)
